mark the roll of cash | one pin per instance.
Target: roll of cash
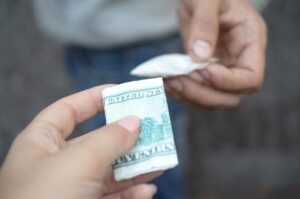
(155, 148)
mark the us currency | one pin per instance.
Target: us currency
(155, 148)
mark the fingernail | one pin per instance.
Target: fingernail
(176, 85)
(153, 188)
(131, 123)
(202, 49)
(205, 74)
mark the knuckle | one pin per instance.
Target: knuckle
(256, 85)
(220, 81)
(120, 134)
(258, 27)
(264, 32)
(20, 139)
(40, 131)
(68, 109)
(261, 21)
(262, 25)
(208, 27)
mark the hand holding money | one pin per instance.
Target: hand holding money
(42, 163)
(155, 148)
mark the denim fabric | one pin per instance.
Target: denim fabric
(91, 67)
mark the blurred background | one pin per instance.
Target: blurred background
(251, 152)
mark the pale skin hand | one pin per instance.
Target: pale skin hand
(42, 164)
(231, 30)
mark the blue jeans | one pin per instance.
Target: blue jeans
(91, 67)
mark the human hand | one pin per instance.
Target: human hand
(234, 32)
(42, 164)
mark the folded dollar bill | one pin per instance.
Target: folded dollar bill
(168, 65)
(155, 149)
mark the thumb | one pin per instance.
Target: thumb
(204, 30)
(103, 146)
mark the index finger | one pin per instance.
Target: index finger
(63, 115)
(245, 76)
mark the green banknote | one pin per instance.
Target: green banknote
(155, 148)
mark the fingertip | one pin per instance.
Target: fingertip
(152, 188)
(175, 84)
(202, 49)
(130, 123)
(146, 191)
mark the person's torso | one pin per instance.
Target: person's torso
(106, 23)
